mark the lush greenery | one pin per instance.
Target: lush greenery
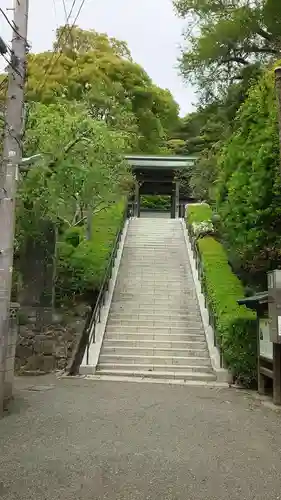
(99, 71)
(235, 326)
(248, 193)
(82, 263)
(199, 213)
(224, 37)
(88, 104)
(156, 202)
(234, 130)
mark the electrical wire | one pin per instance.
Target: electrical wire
(64, 30)
(64, 8)
(11, 24)
(52, 61)
(10, 63)
(79, 11)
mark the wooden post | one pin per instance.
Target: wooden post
(277, 374)
(173, 204)
(261, 378)
(177, 199)
(277, 347)
(137, 200)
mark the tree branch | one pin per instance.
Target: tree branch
(237, 59)
(264, 34)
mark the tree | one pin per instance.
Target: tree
(82, 172)
(249, 185)
(82, 167)
(99, 71)
(225, 36)
(205, 131)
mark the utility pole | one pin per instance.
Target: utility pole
(12, 155)
(277, 346)
(278, 96)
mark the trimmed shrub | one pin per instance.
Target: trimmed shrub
(235, 326)
(156, 202)
(201, 229)
(81, 263)
(198, 213)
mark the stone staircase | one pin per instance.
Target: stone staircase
(154, 328)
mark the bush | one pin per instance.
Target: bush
(201, 229)
(235, 326)
(198, 213)
(81, 266)
(249, 187)
(153, 202)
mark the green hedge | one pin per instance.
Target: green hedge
(81, 263)
(235, 325)
(156, 202)
(198, 213)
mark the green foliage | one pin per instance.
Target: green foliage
(82, 167)
(249, 187)
(152, 202)
(81, 266)
(198, 213)
(235, 326)
(206, 130)
(99, 71)
(224, 37)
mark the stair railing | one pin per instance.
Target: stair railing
(94, 317)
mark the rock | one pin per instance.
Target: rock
(48, 364)
(34, 362)
(61, 351)
(48, 346)
(24, 352)
(61, 363)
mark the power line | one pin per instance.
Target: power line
(12, 25)
(52, 62)
(64, 8)
(79, 11)
(65, 28)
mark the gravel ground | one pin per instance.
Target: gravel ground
(78, 439)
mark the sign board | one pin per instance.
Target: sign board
(266, 346)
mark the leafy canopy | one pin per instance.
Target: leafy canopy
(224, 36)
(99, 71)
(82, 168)
(248, 184)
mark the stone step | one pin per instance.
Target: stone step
(160, 299)
(153, 316)
(155, 360)
(146, 336)
(165, 375)
(118, 365)
(153, 284)
(154, 295)
(151, 323)
(165, 312)
(151, 329)
(151, 352)
(115, 342)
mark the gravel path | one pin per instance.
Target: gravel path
(77, 439)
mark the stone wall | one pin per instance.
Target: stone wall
(49, 349)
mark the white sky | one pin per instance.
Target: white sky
(150, 27)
